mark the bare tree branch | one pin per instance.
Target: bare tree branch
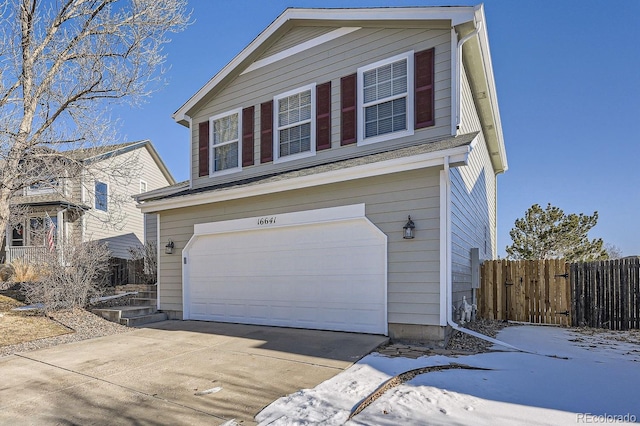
(63, 65)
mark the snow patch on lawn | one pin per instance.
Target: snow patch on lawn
(600, 378)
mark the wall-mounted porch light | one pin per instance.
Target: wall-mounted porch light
(408, 230)
(168, 249)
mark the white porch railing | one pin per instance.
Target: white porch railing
(28, 253)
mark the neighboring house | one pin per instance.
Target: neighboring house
(97, 206)
(310, 150)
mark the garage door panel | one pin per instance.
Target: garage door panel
(326, 275)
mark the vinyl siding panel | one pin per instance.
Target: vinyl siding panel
(413, 265)
(329, 62)
(473, 209)
(151, 228)
(125, 228)
(294, 37)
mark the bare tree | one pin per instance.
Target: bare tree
(63, 64)
(613, 251)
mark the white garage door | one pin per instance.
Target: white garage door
(322, 269)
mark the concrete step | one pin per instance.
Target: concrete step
(117, 313)
(148, 294)
(144, 319)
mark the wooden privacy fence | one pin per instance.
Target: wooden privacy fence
(529, 291)
(607, 294)
(596, 294)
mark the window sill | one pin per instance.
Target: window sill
(225, 172)
(294, 157)
(385, 137)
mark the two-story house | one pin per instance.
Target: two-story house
(343, 176)
(95, 204)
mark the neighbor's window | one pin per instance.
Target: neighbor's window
(41, 229)
(225, 145)
(143, 186)
(44, 187)
(385, 100)
(295, 126)
(101, 196)
(17, 235)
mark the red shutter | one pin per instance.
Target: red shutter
(247, 136)
(266, 132)
(348, 117)
(323, 116)
(424, 95)
(203, 149)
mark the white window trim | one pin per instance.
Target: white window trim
(410, 102)
(276, 130)
(146, 187)
(95, 198)
(212, 146)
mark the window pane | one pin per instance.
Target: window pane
(36, 231)
(225, 157)
(295, 140)
(386, 117)
(385, 81)
(225, 129)
(101, 196)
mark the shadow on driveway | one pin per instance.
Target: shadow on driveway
(173, 372)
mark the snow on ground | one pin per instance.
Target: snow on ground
(598, 382)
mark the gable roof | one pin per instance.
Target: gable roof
(296, 16)
(98, 153)
(468, 20)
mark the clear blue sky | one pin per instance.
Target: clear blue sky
(568, 81)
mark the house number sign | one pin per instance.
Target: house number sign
(269, 220)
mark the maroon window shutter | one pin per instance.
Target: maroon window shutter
(323, 116)
(203, 149)
(266, 132)
(424, 95)
(247, 136)
(348, 117)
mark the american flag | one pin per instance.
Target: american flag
(51, 232)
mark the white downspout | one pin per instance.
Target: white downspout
(458, 68)
(190, 121)
(447, 266)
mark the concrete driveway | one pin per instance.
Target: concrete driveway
(172, 372)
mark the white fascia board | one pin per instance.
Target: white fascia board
(483, 41)
(457, 15)
(459, 155)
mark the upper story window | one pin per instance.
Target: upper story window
(294, 120)
(225, 142)
(385, 99)
(143, 186)
(101, 196)
(45, 186)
